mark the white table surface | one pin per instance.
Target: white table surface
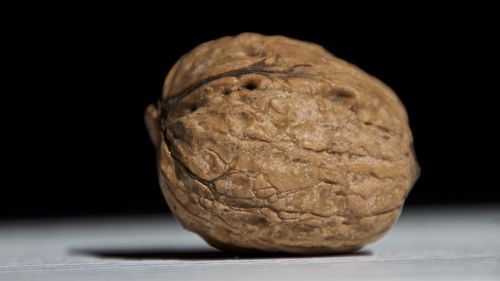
(445, 243)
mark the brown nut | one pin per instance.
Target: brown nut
(266, 143)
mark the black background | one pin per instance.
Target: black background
(76, 143)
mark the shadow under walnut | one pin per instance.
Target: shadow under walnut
(271, 144)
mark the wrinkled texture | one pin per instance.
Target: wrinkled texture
(266, 143)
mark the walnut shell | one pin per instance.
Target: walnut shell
(266, 143)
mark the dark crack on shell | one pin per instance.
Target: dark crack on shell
(259, 67)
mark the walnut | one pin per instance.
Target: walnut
(267, 143)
